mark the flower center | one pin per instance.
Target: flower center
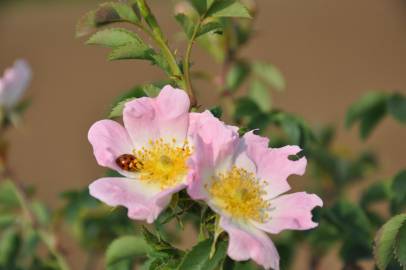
(163, 163)
(240, 194)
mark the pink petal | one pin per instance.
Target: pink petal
(249, 243)
(144, 202)
(221, 138)
(109, 140)
(201, 169)
(291, 212)
(165, 116)
(214, 143)
(273, 164)
(14, 83)
(139, 117)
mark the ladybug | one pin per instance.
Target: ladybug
(128, 162)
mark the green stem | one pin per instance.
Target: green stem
(186, 65)
(217, 231)
(158, 36)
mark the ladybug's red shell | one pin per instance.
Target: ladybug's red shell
(128, 162)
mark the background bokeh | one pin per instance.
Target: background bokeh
(331, 53)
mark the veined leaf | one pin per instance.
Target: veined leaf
(228, 8)
(210, 26)
(386, 240)
(116, 37)
(131, 51)
(105, 14)
(198, 258)
(400, 248)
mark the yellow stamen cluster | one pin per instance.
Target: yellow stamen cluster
(240, 194)
(163, 163)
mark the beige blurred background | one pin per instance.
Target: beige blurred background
(330, 51)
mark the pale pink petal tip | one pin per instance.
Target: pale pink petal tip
(291, 212)
(250, 243)
(142, 201)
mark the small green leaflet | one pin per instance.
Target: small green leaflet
(105, 14)
(126, 248)
(259, 93)
(116, 37)
(198, 257)
(228, 8)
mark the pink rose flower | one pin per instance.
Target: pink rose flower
(13, 83)
(243, 180)
(150, 151)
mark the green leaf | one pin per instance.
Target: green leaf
(125, 248)
(259, 93)
(131, 51)
(8, 196)
(105, 14)
(116, 37)
(210, 26)
(228, 8)
(363, 105)
(400, 248)
(152, 90)
(323, 238)
(244, 266)
(246, 107)
(201, 6)
(352, 251)
(369, 110)
(377, 192)
(399, 190)
(386, 239)
(117, 111)
(217, 112)
(76, 202)
(198, 257)
(155, 242)
(187, 24)
(270, 74)
(6, 220)
(170, 263)
(397, 107)
(237, 75)
(10, 245)
(350, 220)
(371, 120)
(41, 212)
